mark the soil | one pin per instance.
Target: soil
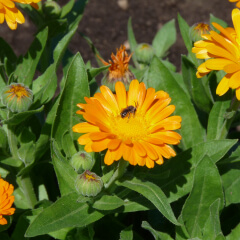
(105, 23)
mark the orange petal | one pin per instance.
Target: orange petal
(114, 144)
(85, 127)
(133, 93)
(121, 95)
(98, 146)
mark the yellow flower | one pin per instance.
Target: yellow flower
(237, 4)
(118, 71)
(134, 125)
(12, 15)
(224, 52)
(6, 200)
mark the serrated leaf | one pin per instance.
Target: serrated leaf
(195, 86)
(20, 117)
(153, 193)
(156, 234)
(26, 69)
(164, 38)
(160, 78)
(65, 212)
(76, 79)
(207, 188)
(108, 203)
(126, 234)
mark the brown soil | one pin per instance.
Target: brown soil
(105, 22)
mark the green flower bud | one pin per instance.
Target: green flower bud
(88, 184)
(17, 97)
(198, 29)
(144, 53)
(51, 9)
(82, 161)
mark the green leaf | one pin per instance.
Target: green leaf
(108, 203)
(67, 8)
(217, 123)
(26, 69)
(44, 87)
(93, 72)
(235, 233)
(65, 212)
(164, 38)
(212, 228)
(156, 234)
(195, 86)
(76, 79)
(127, 233)
(185, 32)
(161, 78)
(153, 193)
(207, 188)
(26, 153)
(20, 117)
(180, 179)
(217, 20)
(66, 175)
(132, 41)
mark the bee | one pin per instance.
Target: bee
(128, 111)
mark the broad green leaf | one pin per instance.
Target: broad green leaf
(75, 89)
(235, 233)
(217, 123)
(153, 193)
(181, 167)
(195, 86)
(132, 40)
(161, 78)
(44, 87)
(126, 234)
(26, 153)
(65, 212)
(108, 203)
(20, 117)
(207, 188)
(164, 38)
(156, 234)
(26, 69)
(65, 173)
(217, 20)
(212, 228)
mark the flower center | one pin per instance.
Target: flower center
(132, 127)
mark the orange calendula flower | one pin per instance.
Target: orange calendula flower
(118, 71)
(11, 14)
(6, 201)
(134, 125)
(223, 53)
(237, 2)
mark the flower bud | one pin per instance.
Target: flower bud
(88, 184)
(82, 161)
(198, 29)
(51, 9)
(17, 97)
(144, 53)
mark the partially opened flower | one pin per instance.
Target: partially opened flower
(6, 201)
(134, 125)
(223, 53)
(237, 2)
(198, 30)
(118, 71)
(11, 14)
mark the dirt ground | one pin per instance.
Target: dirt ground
(105, 22)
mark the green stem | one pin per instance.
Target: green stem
(122, 165)
(26, 186)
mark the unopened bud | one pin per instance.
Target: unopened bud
(144, 53)
(82, 161)
(88, 184)
(51, 9)
(198, 29)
